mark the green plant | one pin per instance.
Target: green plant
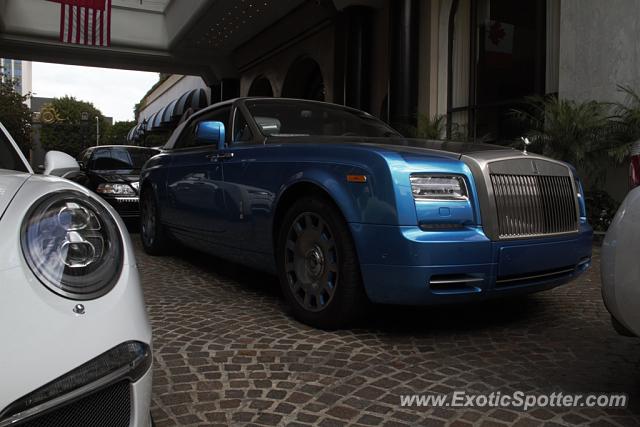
(431, 127)
(14, 113)
(436, 128)
(626, 122)
(601, 208)
(580, 133)
(117, 134)
(72, 126)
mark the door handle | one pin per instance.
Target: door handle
(219, 156)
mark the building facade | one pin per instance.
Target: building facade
(21, 71)
(471, 61)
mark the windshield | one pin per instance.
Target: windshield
(121, 158)
(9, 157)
(300, 118)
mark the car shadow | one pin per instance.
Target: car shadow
(397, 320)
(452, 318)
(250, 279)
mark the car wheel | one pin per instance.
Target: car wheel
(318, 265)
(154, 238)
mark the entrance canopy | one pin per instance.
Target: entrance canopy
(194, 37)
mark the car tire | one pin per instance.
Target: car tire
(152, 233)
(318, 265)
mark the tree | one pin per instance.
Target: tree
(14, 114)
(69, 125)
(117, 134)
(581, 133)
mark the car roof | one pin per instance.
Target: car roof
(128, 147)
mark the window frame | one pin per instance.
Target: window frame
(257, 137)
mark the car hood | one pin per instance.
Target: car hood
(10, 183)
(403, 146)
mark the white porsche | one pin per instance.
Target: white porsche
(75, 340)
(620, 266)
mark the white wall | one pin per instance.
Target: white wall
(598, 48)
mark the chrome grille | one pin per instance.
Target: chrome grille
(534, 205)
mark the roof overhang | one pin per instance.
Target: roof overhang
(194, 37)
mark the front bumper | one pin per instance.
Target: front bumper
(127, 207)
(405, 265)
(98, 393)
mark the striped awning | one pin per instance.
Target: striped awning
(137, 132)
(167, 117)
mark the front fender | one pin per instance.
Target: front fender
(154, 175)
(366, 202)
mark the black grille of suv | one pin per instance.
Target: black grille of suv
(534, 205)
(110, 406)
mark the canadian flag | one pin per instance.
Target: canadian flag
(85, 22)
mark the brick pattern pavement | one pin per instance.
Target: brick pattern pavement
(228, 353)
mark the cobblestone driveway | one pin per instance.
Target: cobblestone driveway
(228, 353)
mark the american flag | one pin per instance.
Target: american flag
(85, 22)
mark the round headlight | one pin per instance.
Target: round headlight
(72, 245)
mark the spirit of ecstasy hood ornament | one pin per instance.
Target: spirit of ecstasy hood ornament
(527, 143)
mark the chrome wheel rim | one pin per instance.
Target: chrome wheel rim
(311, 262)
(148, 220)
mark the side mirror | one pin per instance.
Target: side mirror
(59, 164)
(211, 133)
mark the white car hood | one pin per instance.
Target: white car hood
(10, 183)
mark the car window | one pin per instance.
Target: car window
(121, 158)
(9, 158)
(101, 160)
(302, 118)
(242, 131)
(188, 137)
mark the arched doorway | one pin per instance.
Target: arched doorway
(304, 80)
(261, 86)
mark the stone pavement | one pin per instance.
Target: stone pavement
(227, 352)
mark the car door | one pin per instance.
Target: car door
(247, 196)
(195, 205)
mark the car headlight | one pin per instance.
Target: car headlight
(438, 187)
(116, 189)
(73, 245)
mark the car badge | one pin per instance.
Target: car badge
(527, 142)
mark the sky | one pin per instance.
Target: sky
(114, 92)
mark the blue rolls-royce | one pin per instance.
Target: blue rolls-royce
(346, 211)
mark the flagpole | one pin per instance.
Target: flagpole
(97, 131)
